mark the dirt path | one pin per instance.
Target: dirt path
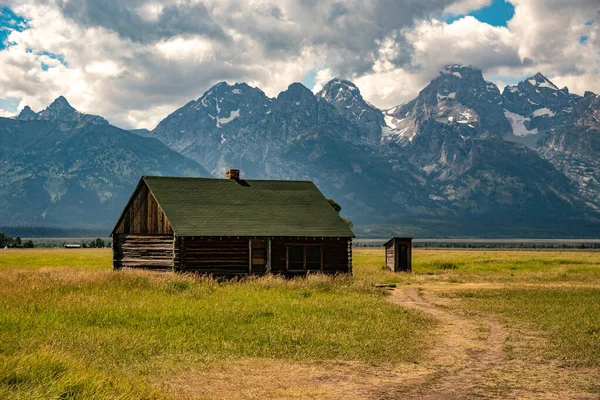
(467, 350)
(468, 360)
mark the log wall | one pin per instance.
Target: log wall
(143, 251)
(224, 256)
(143, 215)
(336, 254)
(219, 256)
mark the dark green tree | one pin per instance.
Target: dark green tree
(338, 208)
(335, 205)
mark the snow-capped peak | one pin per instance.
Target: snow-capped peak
(339, 89)
(541, 81)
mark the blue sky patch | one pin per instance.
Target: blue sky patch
(309, 79)
(9, 21)
(54, 56)
(583, 39)
(496, 14)
(9, 104)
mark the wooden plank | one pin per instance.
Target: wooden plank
(268, 266)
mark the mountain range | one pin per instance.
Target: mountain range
(461, 159)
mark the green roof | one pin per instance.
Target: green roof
(226, 207)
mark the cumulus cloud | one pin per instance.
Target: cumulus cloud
(543, 36)
(463, 7)
(134, 62)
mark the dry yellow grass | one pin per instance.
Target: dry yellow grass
(72, 328)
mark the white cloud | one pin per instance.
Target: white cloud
(462, 7)
(134, 62)
(322, 76)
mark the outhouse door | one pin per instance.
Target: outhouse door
(401, 257)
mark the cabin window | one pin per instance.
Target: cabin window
(259, 252)
(304, 257)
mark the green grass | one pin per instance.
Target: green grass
(501, 266)
(568, 317)
(72, 328)
(69, 332)
(63, 258)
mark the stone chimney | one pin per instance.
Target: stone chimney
(233, 174)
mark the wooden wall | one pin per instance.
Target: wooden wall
(143, 215)
(223, 256)
(389, 256)
(219, 256)
(337, 254)
(143, 251)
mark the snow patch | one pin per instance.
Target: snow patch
(224, 121)
(236, 91)
(518, 124)
(429, 168)
(386, 131)
(540, 112)
(466, 117)
(451, 96)
(389, 121)
(548, 85)
(392, 110)
(457, 74)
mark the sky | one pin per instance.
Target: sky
(136, 61)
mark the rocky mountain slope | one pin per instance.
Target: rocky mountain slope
(75, 173)
(449, 153)
(461, 155)
(346, 98)
(574, 148)
(60, 110)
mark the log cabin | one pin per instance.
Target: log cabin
(231, 227)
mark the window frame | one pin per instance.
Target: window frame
(304, 247)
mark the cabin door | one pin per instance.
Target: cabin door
(258, 256)
(402, 257)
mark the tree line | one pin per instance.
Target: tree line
(7, 241)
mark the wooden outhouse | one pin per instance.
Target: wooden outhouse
(398, 254)
(231, 227)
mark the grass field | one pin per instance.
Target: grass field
(70, 327)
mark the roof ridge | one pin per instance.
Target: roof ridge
(224, 179)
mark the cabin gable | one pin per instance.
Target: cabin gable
(143, 215)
